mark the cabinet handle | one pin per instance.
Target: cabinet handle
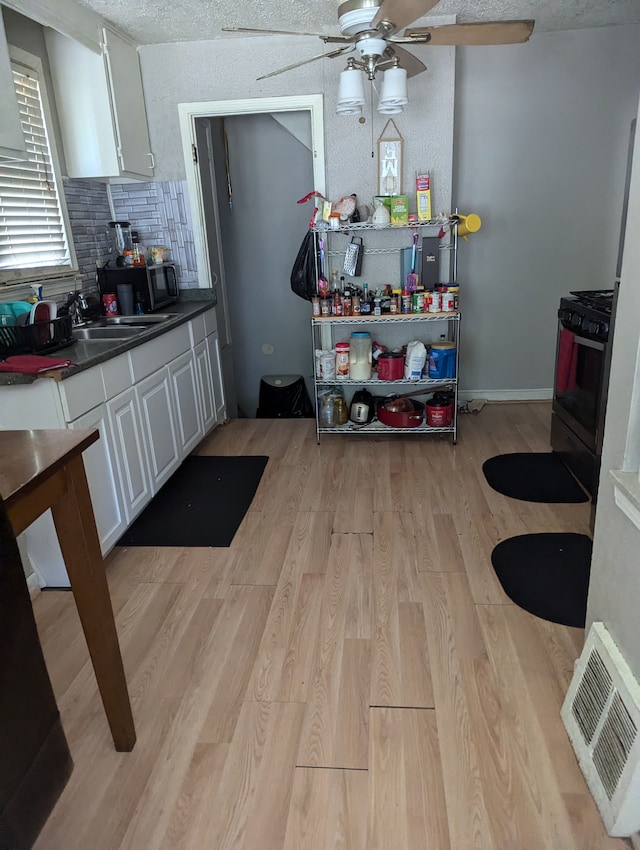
(152, 164)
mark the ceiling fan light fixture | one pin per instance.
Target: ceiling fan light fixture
(347, 109)
(394, 88)
(389, 109)
(351, 87)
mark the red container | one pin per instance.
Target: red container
(110, 305)
(390, 366)
(438, 414)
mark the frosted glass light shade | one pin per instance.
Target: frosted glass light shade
(348, 109)
(394, 88)
(351, 88)
(389, 110)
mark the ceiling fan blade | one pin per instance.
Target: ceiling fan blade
(464, 35)
(394, 15)
(348, 48)
(269, 32)
(408, 61)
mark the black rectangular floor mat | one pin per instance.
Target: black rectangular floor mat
(202, 504)
(533, 477)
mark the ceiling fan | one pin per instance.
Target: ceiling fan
(372, 28)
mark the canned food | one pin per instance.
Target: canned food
(418, 302)
(435, 303)
(448, 302)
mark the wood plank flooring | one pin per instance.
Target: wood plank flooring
(348, 675)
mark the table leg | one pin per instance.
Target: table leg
(75, 524)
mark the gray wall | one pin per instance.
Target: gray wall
(614, 591)
(227, 68)
(270, 170)
(540, 151)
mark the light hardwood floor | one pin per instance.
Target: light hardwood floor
(348, 675)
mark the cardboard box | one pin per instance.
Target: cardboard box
(400, 209)
(423, 197)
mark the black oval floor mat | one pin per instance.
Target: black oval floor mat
(533, 477)
(546, 574)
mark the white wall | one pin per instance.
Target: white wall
(614, 590)
(227, 69)
(540, 153)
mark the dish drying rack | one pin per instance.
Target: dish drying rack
(38, 338)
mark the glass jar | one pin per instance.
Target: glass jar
(360, 356)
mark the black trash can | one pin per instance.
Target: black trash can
(283, 397)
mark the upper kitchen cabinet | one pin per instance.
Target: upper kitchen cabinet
(11, 137)
(100, 107)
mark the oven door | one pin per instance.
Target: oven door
(578, 397)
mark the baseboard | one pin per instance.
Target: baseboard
(507, 395)
(33, 585)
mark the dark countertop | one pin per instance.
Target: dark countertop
(87, 354)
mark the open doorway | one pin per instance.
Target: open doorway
(248, 164)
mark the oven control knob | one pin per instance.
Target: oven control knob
(575, 319)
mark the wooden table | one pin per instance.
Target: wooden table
(44, 469)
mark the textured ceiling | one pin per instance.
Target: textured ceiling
(160, 21)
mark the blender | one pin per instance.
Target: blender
(120, 242)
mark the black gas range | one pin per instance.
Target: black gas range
(583, 360)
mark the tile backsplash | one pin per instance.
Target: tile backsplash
(160, 214)
(158, 211)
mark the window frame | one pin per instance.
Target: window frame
(25, 61)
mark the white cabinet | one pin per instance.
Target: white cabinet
(101, 108)
(130, 452)
(11, 138)
(205, 386)
(152, 405)
(103, 478)
(213, 347)
(158, 426)
(188, 402)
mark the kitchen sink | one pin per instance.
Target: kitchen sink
(97, 332)
(153, 319)
(119, 327)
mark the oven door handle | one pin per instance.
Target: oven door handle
(589, 343)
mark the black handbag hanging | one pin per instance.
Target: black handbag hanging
(304, 273)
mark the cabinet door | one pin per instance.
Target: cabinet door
(127, 104)
(103, 478)
(158, 426)
(130, 451)
(205, 386)
(184, 383)
(216, 374)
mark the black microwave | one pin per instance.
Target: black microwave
(154, 287)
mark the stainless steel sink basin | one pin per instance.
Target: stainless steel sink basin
(153, 319)
(106, 332)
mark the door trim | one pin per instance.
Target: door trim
(188, 112)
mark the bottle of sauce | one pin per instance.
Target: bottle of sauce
(346, 303)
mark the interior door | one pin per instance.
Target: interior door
(210, 152)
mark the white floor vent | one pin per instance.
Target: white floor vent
(602, 715)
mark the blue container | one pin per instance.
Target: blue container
(442, 360)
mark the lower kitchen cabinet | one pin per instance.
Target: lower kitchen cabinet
(149, 418)
(213, 347)
(103, 478)
(205, 385)
(130, 452)
(158, 426)
(190, 396)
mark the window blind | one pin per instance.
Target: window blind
(32, 227)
